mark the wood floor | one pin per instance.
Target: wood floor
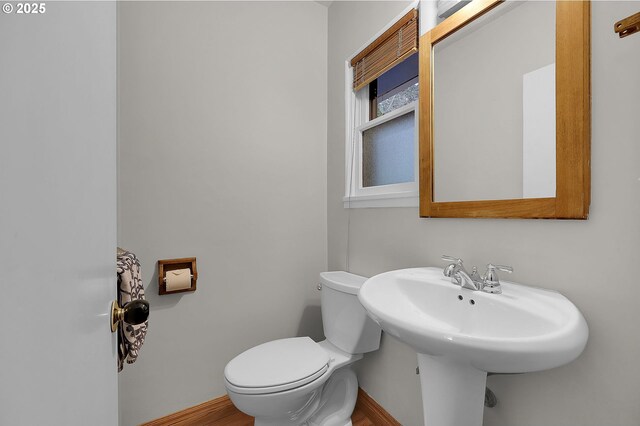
(222, 412)
(240, 419)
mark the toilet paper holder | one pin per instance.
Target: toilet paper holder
(167, 265)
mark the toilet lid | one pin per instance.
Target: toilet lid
(285, 364)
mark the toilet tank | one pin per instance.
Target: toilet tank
(346, 323)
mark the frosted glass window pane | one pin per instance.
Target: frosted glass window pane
(388, 152)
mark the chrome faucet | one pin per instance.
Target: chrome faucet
(459, 274)
(488, 283)
(491, 280)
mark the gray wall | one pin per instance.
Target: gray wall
(222, 156)
(592, 262)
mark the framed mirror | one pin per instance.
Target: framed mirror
(505, 111)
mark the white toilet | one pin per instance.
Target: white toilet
(297, 381)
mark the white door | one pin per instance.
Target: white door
(57, 214)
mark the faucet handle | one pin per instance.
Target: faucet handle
(452, 259)
(453, 267)
(491, 280)
(504, 268)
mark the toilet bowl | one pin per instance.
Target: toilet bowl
(297, 381)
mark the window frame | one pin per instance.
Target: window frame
(404, 194)
(357, 120)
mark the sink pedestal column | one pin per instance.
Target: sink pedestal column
(452, 391)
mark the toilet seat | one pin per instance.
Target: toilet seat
(277, 366)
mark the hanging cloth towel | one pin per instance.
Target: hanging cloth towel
(130, 337)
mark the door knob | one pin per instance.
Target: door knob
(134, 313)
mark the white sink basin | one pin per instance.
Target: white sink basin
(461, 334)
(523, 329)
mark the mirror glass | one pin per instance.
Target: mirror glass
(494, 106)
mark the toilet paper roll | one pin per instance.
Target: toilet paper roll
(178, 279)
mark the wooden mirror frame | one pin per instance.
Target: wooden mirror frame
(573, 121)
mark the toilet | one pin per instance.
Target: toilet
(297, 381)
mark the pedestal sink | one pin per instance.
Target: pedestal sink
(462, 334)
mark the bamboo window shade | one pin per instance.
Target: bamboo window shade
(395, 45)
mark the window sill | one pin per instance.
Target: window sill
(394, 199)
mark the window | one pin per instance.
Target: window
(382, 128)
(395, 88)
(388, 155)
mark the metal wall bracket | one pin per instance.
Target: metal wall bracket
(628, 26)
